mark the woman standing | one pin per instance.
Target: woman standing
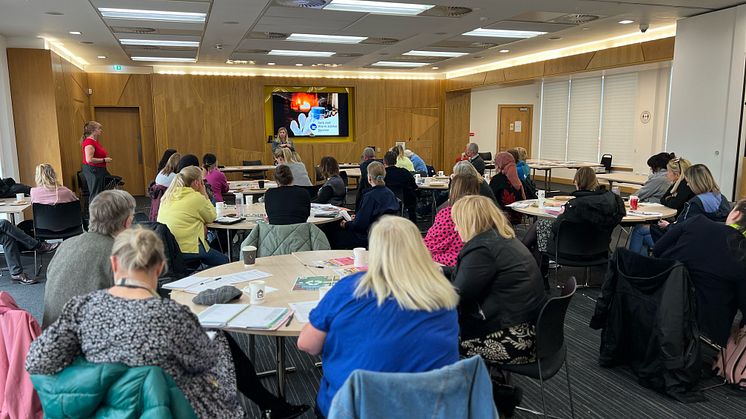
(95, 158)
(281, 140)
(214, 177)
(399, 316)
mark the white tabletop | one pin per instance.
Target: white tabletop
(228, 169)
(653, 211)
(11, 206)
(630, 178)
(256, 213)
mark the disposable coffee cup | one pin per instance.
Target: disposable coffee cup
(323, 291)
(441, 173)
(19, 197)
(634, 201)
(219, 208)
(361, 257)
(249, 199)
(261, 184)
(248, 254)
(257, 289)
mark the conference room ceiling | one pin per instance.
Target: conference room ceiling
(241, 33)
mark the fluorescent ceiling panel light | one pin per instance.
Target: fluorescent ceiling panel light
(160, 43)
(398, 64)
(101, 57)
(626, 21)
(503, 33)
(329, 39)
(166, 59)
(378, 7)
(504, 51)
(417, 53)
(76, 33)
(156, 15)
(295, 53)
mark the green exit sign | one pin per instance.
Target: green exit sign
(117, 67)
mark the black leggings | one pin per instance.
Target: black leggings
(248, 382)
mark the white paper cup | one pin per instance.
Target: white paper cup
(323, 291)
(249, 199)
(361, 256)
(441, 173)
(257, 289)
(19, 197)
(248, 255)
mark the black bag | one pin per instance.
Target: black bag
(529, 188)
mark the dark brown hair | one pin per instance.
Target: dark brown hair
(461, 186)
(329, 167)
(513, 152)
(585, 179)
(283, 175)
(390, 158)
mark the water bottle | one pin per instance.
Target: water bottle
(541, 195)
(239, 204)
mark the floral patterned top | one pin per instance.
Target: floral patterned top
(161, 332)
(442, 240)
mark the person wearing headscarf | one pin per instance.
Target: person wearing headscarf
(506, 185)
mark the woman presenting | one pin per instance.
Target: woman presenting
(95, 158)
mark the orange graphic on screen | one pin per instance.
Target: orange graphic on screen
(303, 102)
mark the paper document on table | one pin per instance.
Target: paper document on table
(185, 282)
(209, 284)
(218, 315)
(644, 213)
(244, 276)
(520, 204)
(303, 309)
(258, 317)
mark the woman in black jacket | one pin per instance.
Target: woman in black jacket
(334, 190)
(287, 204)
(499, 283)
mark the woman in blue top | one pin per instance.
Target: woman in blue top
(400, 316)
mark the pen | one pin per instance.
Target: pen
(287, 323)
(209, 280)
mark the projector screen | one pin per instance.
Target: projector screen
(312, 113)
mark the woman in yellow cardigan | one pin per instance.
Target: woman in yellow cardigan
(186, 209)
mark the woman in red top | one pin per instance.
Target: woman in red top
(94, 159)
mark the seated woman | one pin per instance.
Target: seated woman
(284, 155)
(131, 324)
(522, 166)
(48, 190)
(442, 239)
(466, 168)
(506, 185)
(376, 201)
(679, 192)
(707, 200)
(399, 316)
(286, 204)
(186, 210)
(402, 160)
(168, 173)
(715, 256)
(334, 190)
(214, 177)
(652, 191)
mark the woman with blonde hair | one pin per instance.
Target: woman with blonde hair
(131, 324)
(521, 165)
(292, 160)
(401, 159)
(168, 173)
(399, 316)
(186, 210)
(48, 190)
(95, 158)
(679, 192)
(281, 140)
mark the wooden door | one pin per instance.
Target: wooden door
(121, 139)
(514, 127)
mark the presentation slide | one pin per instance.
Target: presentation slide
(310, 114)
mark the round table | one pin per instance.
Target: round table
(284, 269)
(654, 211)
(434, 184)
(250, 187)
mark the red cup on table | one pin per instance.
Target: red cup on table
(633, 202)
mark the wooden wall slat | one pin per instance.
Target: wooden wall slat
(566, 65)
(616, 57)
(456, 130)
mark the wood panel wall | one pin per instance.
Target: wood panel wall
(456, 131)
(628, 55)
(129, 90)
(32, 91)
(71, 101)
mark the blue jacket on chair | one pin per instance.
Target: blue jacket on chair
(461, 390)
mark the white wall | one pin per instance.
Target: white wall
(8, 154)
(707, 92)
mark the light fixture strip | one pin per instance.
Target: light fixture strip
(160, 43)
(154, 15)
(165, 59)
(329, 39)
(398, 64)
(297, 53)
(449, 54)
(378, 7)
(503, 33)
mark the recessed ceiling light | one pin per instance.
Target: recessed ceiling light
(329, 39)
(299, 65)
(270, 63)
(166, 59)
(54, 13)
(503, 33)
(378, 7)
(585, 28)
(156, 15)
(231, 22)
(555, 38)
(504, 51)
(160, 43)
(398, 64)
(435, 67)
(75, 33)
(295, 53)
(101, 57)
(626, 21)
(417, 53)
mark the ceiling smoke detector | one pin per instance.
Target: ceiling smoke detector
(267, 35)
(315, 4)
(446, 11)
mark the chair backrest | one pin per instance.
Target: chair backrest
(345, 178)
(82, 184)
(580, 241)
(252, 174)
(430, 171)
(606, 161)
(57, 221)
(486, 156)
(550, 326)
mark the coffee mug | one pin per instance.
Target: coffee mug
(257, 289)
(248, 254)
(361, 257)
(261, 184)
(19, 197)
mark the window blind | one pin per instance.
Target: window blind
(585, 120)
(618, 122)
(554, 120)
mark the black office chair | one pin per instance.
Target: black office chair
(606, 162)
(60, 221)
(551, 351)
(312, 190)
(579, 245)
(486, 156)
(253, 174)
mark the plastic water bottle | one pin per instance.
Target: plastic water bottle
(239, 204)
(541, 194)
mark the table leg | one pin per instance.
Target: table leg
(435, 202)
(280, 342)
(228, 240)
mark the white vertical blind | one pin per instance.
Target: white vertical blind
(619, 112)
(585, 117)
(554, 120)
